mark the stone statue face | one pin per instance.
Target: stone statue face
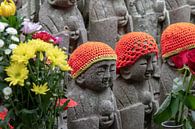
(99, 76)
(141, 70)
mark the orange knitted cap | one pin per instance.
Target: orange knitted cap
(132, 46)
(176, 38)
(87, 54)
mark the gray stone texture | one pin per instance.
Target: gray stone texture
(96, 102)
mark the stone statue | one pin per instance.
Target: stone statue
(192, 6)
(109, 15)
(178, 11)
(62, 17)
(94, 68)
(135, 57)
(29, 9)
(147, 15)
(176, 38)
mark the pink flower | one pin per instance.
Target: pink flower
(30, 27)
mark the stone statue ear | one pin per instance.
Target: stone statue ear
(80, 79)
(125, 72)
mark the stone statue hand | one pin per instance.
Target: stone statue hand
(174, 4)
(141, 7)
(106, 121)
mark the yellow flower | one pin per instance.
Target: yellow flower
(58, 58)
(22, 53)
(17, 73)
(42, 89)
(7, 8)
(39, 45)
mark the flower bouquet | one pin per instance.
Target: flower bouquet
(32, 69)
(181, 99)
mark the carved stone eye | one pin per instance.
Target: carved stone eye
(66, 28)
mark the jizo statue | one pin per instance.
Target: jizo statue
(176, 38)
(109, 15)
(178, 11)
(62, 18)
(136, 57)
(93, 70)
(147, 15)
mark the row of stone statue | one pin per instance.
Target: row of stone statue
(79, 21)
(128, 99)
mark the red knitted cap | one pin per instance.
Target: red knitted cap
(176, 38)
(87, 54)
(132, 46)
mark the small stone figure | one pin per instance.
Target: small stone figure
(135, 55)
(178, 11)
(175, 39)
(109, 15)
(93, 70)
(147, 15)
(62, 17)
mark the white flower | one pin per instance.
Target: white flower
(6, 97)
(14, 38)
(12, 46)
(7, 91)
(2, 27)
(11, 31)
(4, 24)
(1, 43)
(7, 51)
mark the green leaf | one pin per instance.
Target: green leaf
(174, 106)
(190, 102)
(164, 112)
(26, 111)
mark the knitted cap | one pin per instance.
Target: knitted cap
(132, 46)
(87, 54)
(176, 38)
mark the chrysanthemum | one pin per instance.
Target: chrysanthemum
(22, 53)
(39, 45)
(40, 89)
(58, 58)
(17, 73)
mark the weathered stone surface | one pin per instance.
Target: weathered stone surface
(96, 103)
(178, 11)
(108, 20)
(168, 73)
(131, 89)
(63, 16)
(192, 6)
(147, 16)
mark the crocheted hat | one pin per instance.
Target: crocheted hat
(88, 54)
(132, 46)
(176, 38)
